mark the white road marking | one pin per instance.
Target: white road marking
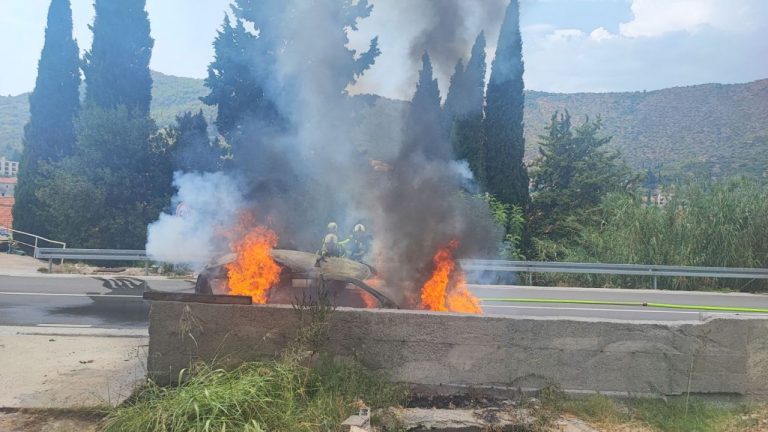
(65, 325)
(69, 295)
(617, 290)
(644, 310)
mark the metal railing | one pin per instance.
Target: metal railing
(653, 271)
(92, 255)
(34, 241)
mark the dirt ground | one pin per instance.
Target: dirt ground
(49, 421)
(69, 368)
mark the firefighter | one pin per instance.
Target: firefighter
(331, 246)
(359, 243)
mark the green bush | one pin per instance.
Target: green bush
(281, 395)
(712, 225)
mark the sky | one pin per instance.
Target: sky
(569, 45)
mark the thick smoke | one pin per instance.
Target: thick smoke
(451, 28)
(311, 166)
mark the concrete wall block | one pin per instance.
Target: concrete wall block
(436, 350)
(757, 360)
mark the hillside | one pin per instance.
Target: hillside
(13, 116)
(710, 129)
(170, 95)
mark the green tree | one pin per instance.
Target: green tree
(119, 177)
(506, 176)
(243, 79)
(235, 90)
(53, 106)
(571, 176)
(423, 130)
(190, 147)
(117, 182)
(117, 65)
(464, 110)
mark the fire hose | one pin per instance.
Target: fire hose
(628, 303)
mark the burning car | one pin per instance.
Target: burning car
(285, 276)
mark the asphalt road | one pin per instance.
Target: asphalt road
(80, 300)
(116, 301)
(624, 312)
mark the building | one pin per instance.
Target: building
(6, 216)
(7, 186)
(8, 168)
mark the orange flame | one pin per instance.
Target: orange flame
(254, 272)
(446, 290)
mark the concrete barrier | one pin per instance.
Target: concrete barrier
(453, 353)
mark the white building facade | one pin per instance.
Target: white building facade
(8, 168)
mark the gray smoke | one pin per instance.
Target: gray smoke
(316, 164)
(451, 28)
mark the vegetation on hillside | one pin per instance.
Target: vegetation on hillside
(14, 113)
(705, 130)
(171, 96)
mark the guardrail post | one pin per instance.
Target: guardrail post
(146, 268)
(36, 238)
(50, 265)
(530, 278)
(655, 281)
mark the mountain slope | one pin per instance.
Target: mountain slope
(170, 96)
(14, 112)
(709, 129)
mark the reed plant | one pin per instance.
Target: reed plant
(703, 224)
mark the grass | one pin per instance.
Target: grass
(715, 224)
(281, 395)
(670, 415)
(301, 391)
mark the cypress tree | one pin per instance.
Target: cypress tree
(117, 66)
(53, 105)
(119, 177)
(454, 99)
(475, 77)
(506, 176)
(190, 146)
(423, 127)
(464, 109)
(234, 89)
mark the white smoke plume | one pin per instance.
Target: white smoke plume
(204, 204)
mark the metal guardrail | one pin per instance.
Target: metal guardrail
(92, 254)
(653, 271)
(32, 244)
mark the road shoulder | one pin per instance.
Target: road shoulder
(70, 368)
